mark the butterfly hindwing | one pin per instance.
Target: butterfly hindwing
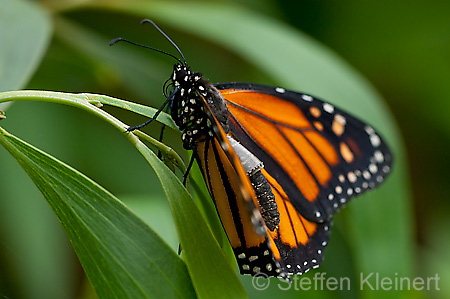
(301, 242)
(320, 155)
(294, 247)
(233, 197)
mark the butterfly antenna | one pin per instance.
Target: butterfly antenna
(166, 36)
(120, 39)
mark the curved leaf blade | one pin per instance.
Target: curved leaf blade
(25, 31)
(211, 273)
(122, 257)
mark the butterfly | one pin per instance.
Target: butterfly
(277, 163)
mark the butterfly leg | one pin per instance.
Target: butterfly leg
(169, 99)
(163, 126)
(186, 174)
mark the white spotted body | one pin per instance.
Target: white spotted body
(187, 107)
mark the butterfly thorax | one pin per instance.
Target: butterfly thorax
(188, 105)
(195, 102)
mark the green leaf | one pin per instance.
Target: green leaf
(211, 273)
(155, 211)
(122, 257)
(25, 31)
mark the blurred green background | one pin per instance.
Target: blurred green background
(402, 48)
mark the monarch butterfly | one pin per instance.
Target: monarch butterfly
(278, 164)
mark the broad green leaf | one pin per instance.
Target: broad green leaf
(122, 257)
(155, 211)
(25, 31)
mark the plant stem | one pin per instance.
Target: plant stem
(91, 103)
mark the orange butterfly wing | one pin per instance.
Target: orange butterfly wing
(319, 155)
(300, 242)
(293, 248)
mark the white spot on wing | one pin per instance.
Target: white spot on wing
(369, 130)
(328, 107)
(375, 140)
(280, 90)
(253, 258)
(340, 119)
(307, 97)
(379, 157)
(373, 168)
(351, 177)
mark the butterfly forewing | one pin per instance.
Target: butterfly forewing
(319, 155)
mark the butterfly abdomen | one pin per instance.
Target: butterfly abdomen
(263, 191)
(266, 200)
